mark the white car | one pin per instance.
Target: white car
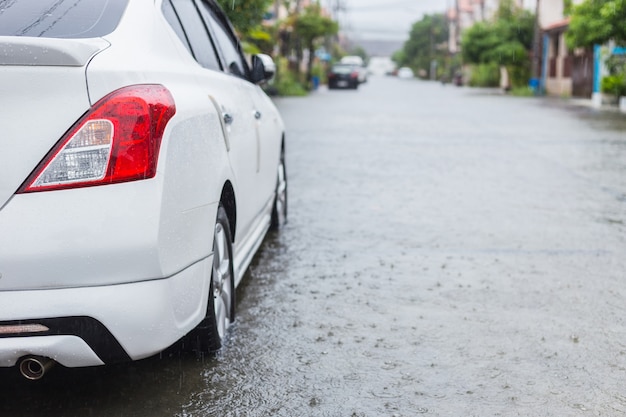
(405, 72)
(358, 64)
(141, 166)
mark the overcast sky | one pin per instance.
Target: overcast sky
(383, 19)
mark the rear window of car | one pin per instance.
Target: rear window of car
(60, 18)
(343, 69)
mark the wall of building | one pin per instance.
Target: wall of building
(550, 11)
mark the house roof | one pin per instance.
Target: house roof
(464, 6)
(559, 24)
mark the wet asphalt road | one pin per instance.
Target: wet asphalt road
(449, 252)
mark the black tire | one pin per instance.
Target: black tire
(209, 335)
(279, 211)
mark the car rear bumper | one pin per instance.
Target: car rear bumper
(105, 324)
(343, 83)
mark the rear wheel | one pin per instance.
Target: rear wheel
(210, 333)
(279, 212)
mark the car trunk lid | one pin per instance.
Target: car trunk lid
(43, 92)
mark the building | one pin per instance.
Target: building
(564, 72)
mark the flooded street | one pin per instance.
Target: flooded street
(449, 252)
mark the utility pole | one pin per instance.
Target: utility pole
(457, 27)
(336, 8)
(536, 64)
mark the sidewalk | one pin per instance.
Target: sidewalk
(587, 102)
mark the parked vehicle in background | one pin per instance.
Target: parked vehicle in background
(343, 76)
(352, 60)
(141, 166)
(380, 65)
(405, 72)
(358, 64)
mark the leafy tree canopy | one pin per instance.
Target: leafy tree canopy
(312, 24)
(506, 41)
(478, 43)
(359, 51)
(596, 22)
(427, 42)
(245, 15)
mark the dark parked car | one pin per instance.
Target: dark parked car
(343, 76)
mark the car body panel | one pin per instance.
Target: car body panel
(54, 347)
(30, 123)
(48, 51)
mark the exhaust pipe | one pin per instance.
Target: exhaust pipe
(35, 367)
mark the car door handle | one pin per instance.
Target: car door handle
(257, 115)
(228, 118)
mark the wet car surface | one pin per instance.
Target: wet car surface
(448, 252)
(132, 204)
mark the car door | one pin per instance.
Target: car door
(269, 130)
(226, 92)
(260, 111)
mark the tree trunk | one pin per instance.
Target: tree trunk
(309, 64)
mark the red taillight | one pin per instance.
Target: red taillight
(354, 75)
(118, 140)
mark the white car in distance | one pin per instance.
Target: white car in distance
(141, 166)
(358, 63)
(406, 73)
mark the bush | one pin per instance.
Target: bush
(319, 70)
(522, 92)
(485, 75)
(519, 76)
(614, 84)
(287, 86)
(285, 82)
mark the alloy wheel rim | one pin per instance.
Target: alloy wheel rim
(222, 279)
(281, 193)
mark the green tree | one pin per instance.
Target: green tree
(311, 25)
(426, 43)
(246, 16)
(359, 51)
(507, 41)
(478, 42)
(597, 22)
(399, 57)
